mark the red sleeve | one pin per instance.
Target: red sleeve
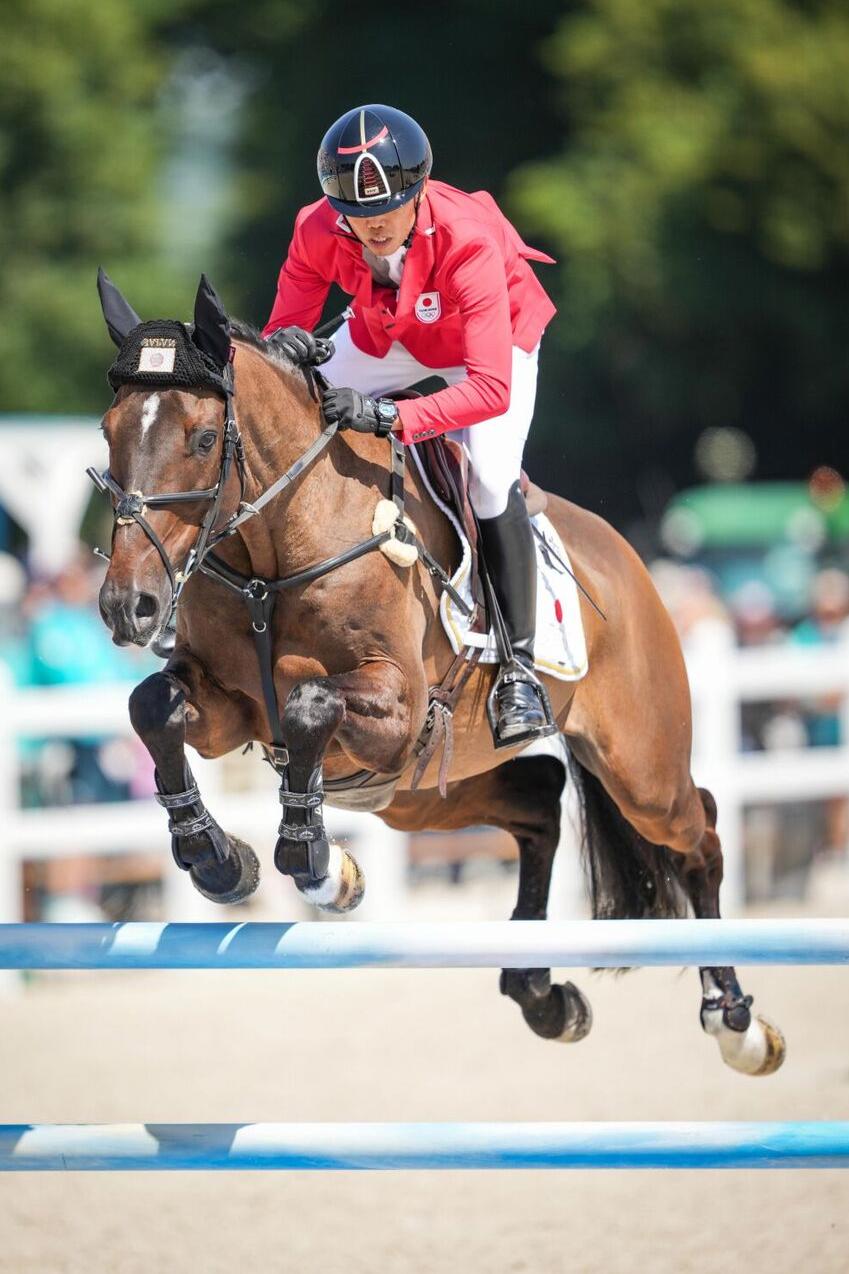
(301, 290)
(478, 285)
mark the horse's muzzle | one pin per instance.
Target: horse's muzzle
(134, 617)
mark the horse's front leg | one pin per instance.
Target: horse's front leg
(370, 712)
(222, 867)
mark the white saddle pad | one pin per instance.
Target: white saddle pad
(561, 648)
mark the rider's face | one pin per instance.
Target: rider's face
(385, 232)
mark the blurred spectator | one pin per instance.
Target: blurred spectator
(829, 609)
(689, 594)
(51, 634)
(755, 614)
(69, 642)
(826, 623)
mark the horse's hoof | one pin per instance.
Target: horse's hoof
(231, 881)
(564, 1015)
(342, 888)
(578, 1013)
(759, 1050)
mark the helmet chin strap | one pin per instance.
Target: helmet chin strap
(409, 239)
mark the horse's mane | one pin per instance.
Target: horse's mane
(242, 331)
(248, 335)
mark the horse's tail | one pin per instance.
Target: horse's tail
(628, 877)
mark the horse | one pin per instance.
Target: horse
(354, 647)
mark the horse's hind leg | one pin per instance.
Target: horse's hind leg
(661, 829)
(748, 1043)
(532, 787)
(522, 797)
(222, 868)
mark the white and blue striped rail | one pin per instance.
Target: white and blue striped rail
(333, 945)
(486, 944)
(370, 1146)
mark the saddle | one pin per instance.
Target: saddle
(447, 467)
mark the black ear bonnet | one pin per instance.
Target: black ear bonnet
(162, 352)
(165, 352)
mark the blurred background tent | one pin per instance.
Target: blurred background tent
(686, 163)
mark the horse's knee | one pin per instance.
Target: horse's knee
(312, 713)
(157, 707)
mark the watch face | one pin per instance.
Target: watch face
(387, 411)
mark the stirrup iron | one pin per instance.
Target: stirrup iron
(510, 673)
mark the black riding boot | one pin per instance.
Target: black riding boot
(520, 708)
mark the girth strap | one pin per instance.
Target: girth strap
(261, 601)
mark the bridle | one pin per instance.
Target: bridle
(130, 506)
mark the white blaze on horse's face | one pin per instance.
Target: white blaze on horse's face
(150, 410)
(136, 595)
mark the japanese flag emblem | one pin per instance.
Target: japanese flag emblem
(428, 307)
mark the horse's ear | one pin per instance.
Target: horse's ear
(120, 316)
(212, 326)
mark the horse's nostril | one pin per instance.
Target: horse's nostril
(146, 606)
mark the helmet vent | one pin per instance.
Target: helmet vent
(370, 180)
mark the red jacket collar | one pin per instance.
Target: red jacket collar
(418, 262)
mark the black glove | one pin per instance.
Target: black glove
(352, 410)
(300, 346)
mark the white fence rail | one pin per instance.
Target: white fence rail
(722, 678)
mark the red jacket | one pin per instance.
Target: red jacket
(467, 264)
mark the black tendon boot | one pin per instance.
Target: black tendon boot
(520, 710)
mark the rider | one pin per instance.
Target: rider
(440, 286)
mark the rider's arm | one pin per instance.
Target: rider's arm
(301, 290)
(478, 285)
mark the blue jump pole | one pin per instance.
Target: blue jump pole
(371, 1146)
(487, 944)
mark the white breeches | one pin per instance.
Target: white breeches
(494, 446)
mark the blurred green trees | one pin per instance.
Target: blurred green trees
(701, 213)
(79, 155)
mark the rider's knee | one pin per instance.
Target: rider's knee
(489, 491)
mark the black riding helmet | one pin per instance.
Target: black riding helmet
(373, 159)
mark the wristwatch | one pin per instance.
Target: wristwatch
(387, 414)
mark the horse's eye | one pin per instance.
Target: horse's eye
(207, 440)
